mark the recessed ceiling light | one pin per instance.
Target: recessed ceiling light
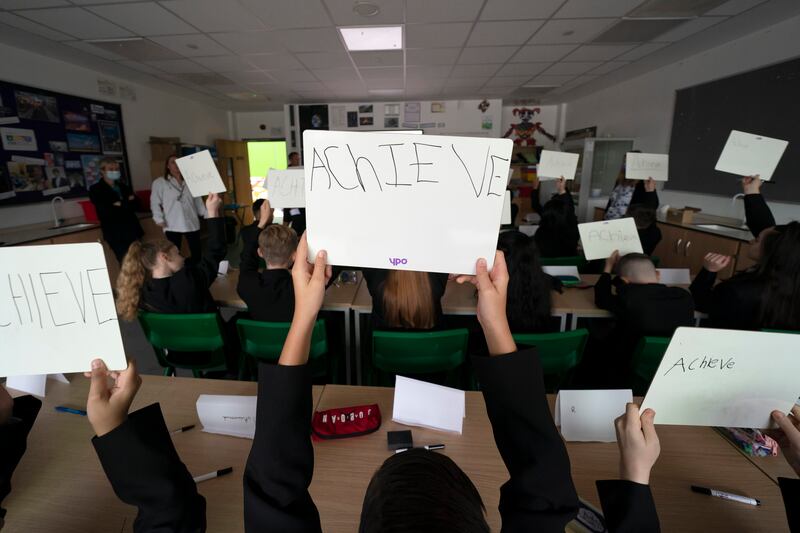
(366, 9)
(373, 38)
(385, 92)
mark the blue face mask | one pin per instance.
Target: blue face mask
(113, 175)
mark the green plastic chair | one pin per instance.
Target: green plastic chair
(646, 358)
(559, 353)
(263, 341)
(198, 334)
(656, 260)
(426, 352)
(791, 331)
(572, 260)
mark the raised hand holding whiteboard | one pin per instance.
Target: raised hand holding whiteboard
(403, 201)
(200, 173)
(56, 310)
(600, 239)
(714, 377)
(642, 166)
(746, 154)
(286, 188)
(552, 165)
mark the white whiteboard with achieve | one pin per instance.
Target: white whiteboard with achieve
(642, 166)
(200, 173)
(715, 377)
(746, 154)
(56, 310)
(552, 165)
(600, 239)
(286, 188)
(404, 202)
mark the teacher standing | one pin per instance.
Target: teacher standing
(176, 211)
(115, 204)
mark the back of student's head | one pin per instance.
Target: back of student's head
(780, 274)
(637, 268)
(528, 301)
(420, 491)
(139, 261)
(558, 229)
(257, 207)
(278, 244)
(408, 300)
(643, 215)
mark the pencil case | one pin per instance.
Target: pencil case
(344, 422)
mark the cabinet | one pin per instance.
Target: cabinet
(686, 248)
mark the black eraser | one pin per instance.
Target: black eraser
(399, 439)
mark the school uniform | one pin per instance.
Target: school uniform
(172, 204)
(376, 279)
(250, 232)
(13, 441)
(757, 213)
(269, 295)
(557, 241)
(119, 223)
(296, 218)
(543, 324)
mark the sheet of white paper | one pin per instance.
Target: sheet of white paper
(418, 403)
(675, 276)
(9, 120)
(562, 271)
(552, 165)
(56, 307)
(600, 239)
(286, 188)
(747, 154)
(642, 166)
(714, 377)
(505, 218)
(36, 385)
(228, 415)
(372, 199)
(200, 173)
(28, 160)
(223, 267)
(588, 415)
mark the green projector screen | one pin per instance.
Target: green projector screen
(262, 156)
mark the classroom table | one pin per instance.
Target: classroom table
(337, 298)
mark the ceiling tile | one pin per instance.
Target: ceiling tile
(571, 68)
(177, 66)
(144, 19)
(637, 30)
(690, 28)
(336, 74)
(477, 55)
(472, 71)
(391, 12)
(274, 61)
(611, 66)
(546, 52)
(580, 80)
(506, 32)
(381, 73)
(442, 10)
(507, 81)
(76, 21)
(284, 15)
(225, 64)
(292, 76)
(344, 85)
(203, 78)
(93, 2)
(251, 42)
(197, 45)
(436, 35)
(595, 8)
(641, 51)
(141, 67)
(432, 56)
(31, 4)
(137, 50)
(466, 82)
(599, 52)
(734, 7)
(390, 58)
(570, 30)
(211, 15)
(309, 40)
(391, 83)
(38, 29)
(253, 76)
(519, 9)
(523, 69)
(655, 9)
(424, 72)
(550, 80)
(94, 50)
(435, 85)
(315, 60)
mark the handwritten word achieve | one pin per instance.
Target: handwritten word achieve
(611, 236)
(353, 171)
(702, 364)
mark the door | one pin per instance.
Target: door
(670, 250)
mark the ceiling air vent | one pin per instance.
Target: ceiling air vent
(674, 8)
(637, 31)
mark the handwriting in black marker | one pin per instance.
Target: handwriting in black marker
(82, 309)
(493, 177)
(314, 166)
(47, 295)
(36, 300)
(356, 162)
(394, 165)
(330, 169)
(14, 298)
(419, 164)
(91, 290)
(477, 191)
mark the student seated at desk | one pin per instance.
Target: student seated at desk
(529, 300)
(251, 231)
(405, 299)
(269, 295)
(154, 278)
(17, 416)
(557, 235)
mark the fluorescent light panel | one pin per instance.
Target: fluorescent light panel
(366, 38)
(385, 92)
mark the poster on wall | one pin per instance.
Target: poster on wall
(365, 121)
(352, 119)
(26, 177)
(391, 122)
(412, 112)
(18, 140)
(33, 106)
(111, 137)
(365, 108)
(91, 169)
(83, 142)
(77, 121)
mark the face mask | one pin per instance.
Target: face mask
(113, 175)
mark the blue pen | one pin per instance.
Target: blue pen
(64, 409)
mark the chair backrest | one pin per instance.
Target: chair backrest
(412, 352)
(559, 352)
(572, 260)
(790, 331)
(182, 332)
(264, 340)
(646, 358)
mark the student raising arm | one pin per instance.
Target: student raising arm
(17, 416)
(788, 436)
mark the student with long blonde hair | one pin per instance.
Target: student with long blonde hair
(404, 299)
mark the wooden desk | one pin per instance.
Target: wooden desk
(60, 486)
(688, 456)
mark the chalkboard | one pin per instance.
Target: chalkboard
(764, 102)
(51, 143)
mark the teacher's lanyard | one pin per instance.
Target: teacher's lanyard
(180, 190)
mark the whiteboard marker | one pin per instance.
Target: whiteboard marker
(212, 475)
(726, 495)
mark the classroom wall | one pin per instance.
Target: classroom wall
(548, 115)
(154, 112)
(642, 107)
(248, 125)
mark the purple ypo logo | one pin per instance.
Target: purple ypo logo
(398, 261)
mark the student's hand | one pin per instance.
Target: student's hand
(649, 185)
(492, 289)
(714, 262)
(638, 444)
(751, 184)
(6, 405)
(310, 280)
(561, 185)
(108, 404)
(162, 225)
(611, 262)
(213, 205)
(265, 215)
(788, 436)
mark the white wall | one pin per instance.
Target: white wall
(248, 125)
(154, 112)
(642, 107)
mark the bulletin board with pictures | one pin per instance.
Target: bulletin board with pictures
(52, 143)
